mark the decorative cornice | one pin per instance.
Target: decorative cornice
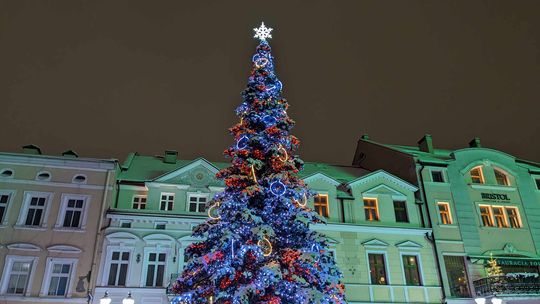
(384, 175)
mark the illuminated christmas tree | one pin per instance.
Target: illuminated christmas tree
(258, 246)
(493, 269)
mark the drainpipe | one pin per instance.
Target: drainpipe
(99, 231)
(342, 210)
(431, 237)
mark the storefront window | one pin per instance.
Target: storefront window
(457, 276)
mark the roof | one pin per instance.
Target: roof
(342, 174)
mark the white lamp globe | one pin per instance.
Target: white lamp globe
(495, 300)
(106, 299)
(128, 299)
(480, 300)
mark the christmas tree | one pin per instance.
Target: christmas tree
(258, 246)
(493, 269)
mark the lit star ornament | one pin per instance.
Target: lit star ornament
(263, 32)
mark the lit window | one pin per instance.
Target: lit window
(411, 269)
(4, 200)
(139, 202)
(370, 209)
(437, 176)
(501, 178)
(18, 275)
(500, 219)
(60, 273)
(320, 203)
(485, 214)
(444, 213)
(400, 210)
(167, 200)
(513, 217)
(155, 270)
(476, 175)
(377, 269)
(35, 211)
(118, 268)
(73, 213)
(197, 203)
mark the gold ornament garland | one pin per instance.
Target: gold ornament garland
(217, 217)
(285, 156)
(265, 245)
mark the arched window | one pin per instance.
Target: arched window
(79, 179)
(501, 177)
(43, 176)
(6, 173)
(477, 176)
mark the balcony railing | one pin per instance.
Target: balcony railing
(503, 285)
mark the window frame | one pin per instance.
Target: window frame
(490, 215)
(27, 198)
(504, 174)
(47, 179)
(386, 272)
(518, 217)
(448, 211)
(10, 194)
(139, 204)
(197, 195)
(167, 201)
(108, 261)
(3, 170)
(376, 207)
(8, 264)
(443, 178)
(327, 205)
(418, 264)
(504, 216)
(146, 263)
(47, 276)
(406, 210)
(66, 197)
(480, 176)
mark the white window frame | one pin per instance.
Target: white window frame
(28, 195)
(420, 270)
(10, 194)
(63, 208)
(139, 203)
(196, 194)
(10, 259)
(157, 250)
(48, 276)
(385, 254)
(167, 204)
(107, 264)
(450, 213)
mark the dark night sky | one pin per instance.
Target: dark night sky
(108, 77)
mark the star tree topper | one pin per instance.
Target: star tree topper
(263, 32)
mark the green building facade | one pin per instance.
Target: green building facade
(375, 224)
(481, 204)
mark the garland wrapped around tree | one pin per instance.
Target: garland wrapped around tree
(258, 246)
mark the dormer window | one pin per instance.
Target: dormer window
(6, 173)
(43, 176)
(501, 177)
(476, 175)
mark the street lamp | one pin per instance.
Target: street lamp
(130, 300)
(496, 300)
(480, 300)
(106, 299)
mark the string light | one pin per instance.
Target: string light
(210, 215)
(265, 245)
(253, 173)
(285, 156)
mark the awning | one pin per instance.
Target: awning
(506, 261)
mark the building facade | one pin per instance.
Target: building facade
(482, 204)
(51, 211)
(374, 222)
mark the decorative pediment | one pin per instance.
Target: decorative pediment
(383, 175)
(375, 243)
(158, 238)
(63, 249)
(198, 171)
(383, 189)
(408, 245)
(24, 247)
(323, 177)
(188, 239)
(122, 238)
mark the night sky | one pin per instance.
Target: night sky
(105, 78)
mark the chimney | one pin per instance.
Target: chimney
(365, 137)
(426, 144)
(70, 153)
(170, 157)
(31, 149)
(475, 143)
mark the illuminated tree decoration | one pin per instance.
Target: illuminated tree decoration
(257, 245)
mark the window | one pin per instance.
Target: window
(411, 269)
(537, 183)
(444, 213)
(513, 217)
(320, 203)
(58, 276)
(197, 202)
(457, 276)
(35, 211)
(79, 179)
(437, 176)
(73, 213)
(43, 176)
(4, 200)
(400, 210)
(139, 202)
(498, 215)
(370, 209)
(118, 269)
(125, 224)
(17, 273)
(156, 269)
(167, 200)
(377, 269)
(485, 214)
(160, 225)
(476, 175)
(6, 173)
(501, 178)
